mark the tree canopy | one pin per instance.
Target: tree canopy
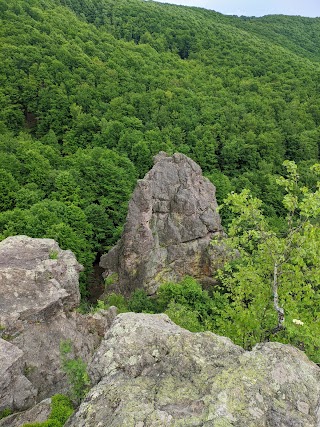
(273, 279)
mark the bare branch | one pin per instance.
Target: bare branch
(278, 309)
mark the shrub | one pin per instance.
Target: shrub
(190, 294)
(53, 254)
(118, 301)
(61, 410)
(140, 302)
(76, 371)
(5, 413)
(184, 317)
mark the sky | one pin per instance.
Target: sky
(309, 8)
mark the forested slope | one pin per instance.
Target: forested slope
(296, 33)
(91, 90)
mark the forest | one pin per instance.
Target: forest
(91, 90)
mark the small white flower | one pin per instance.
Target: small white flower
(297, 322)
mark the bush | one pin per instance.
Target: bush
(186, 303)
(61, 410)
(5, 413)
(184, 317)
(189, 293)
(76, 371)
(48, 423)
(118, 301)
(141, 303)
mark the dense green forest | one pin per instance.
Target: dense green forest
(92, 89)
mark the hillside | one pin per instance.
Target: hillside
(92, 90)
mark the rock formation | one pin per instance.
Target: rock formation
(16, 391)
(37, 414)
(148, 372)
(171, 220)
(38, 289)
(37, 279)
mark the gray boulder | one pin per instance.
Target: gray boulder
(40, 343)
(171, 221)
(37, 414)
(148, 372)
(16, 391)
(38, 291)
(37, 279)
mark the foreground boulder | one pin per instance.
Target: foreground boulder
(171, 221)
(149, 372)
(38, 290)
(37, 279)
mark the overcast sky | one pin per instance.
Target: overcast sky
(256, 7)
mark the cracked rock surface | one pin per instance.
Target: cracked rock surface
(148, 372)
(37, 279)
(39, 288)
(171, 220)
(16, 391)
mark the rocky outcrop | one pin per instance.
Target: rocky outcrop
(38, 290)
(149, 372)
(37, 414)
(171, 220)
(37, 279)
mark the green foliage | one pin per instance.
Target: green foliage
(222, 183)
(139, 302)
(53, 255)
(5, 413)
(8, 188)
(106, 181)
(273, 283)
(190, 295)
(181, 301)
(48, 423)
(184, 316)
(61, 410)
(91, 90)
(116, 300)
(110, 280)
(76, 371)
(84, 217)
(186, 303)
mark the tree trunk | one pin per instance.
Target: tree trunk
(279, 310)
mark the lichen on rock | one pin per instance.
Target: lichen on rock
(149, 372)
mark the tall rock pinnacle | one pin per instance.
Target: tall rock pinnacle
(171, 220)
